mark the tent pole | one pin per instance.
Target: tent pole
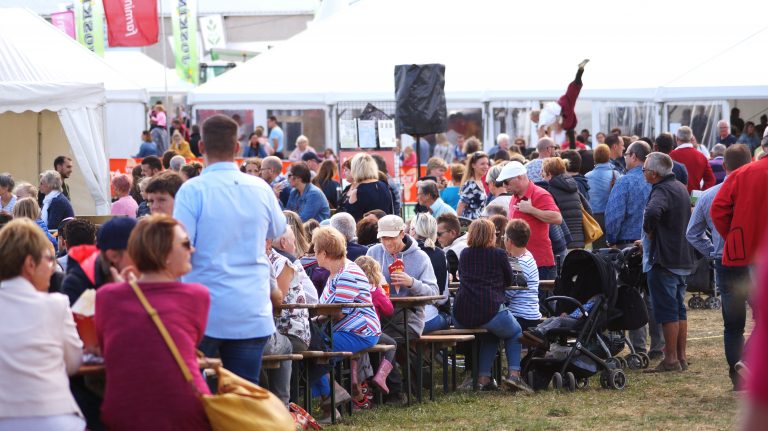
(166, 101)
(39, 142)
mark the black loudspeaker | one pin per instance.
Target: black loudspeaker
(420, 96)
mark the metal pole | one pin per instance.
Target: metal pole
(165, 58)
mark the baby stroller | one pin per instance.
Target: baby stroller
(571, 356)
(629, 312)
(702, 282)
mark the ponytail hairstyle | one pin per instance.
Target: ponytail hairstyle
(425, 226)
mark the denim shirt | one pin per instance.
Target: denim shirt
(700, 222)
(311, 204)
(626, 204)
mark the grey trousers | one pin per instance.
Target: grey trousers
(638, 337)
(279, 379)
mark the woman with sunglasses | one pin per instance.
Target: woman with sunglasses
(40, 342)
(145, 386)
(473, 194)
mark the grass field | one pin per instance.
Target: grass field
(699, 399)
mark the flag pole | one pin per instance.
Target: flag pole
(165, 58)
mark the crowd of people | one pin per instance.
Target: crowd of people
(215, 251)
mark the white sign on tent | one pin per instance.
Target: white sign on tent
(387, 137)
(348, 133)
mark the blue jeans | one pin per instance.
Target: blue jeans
(441, 321)
(733, 283)
(242, 357)
(505, 327)
(667, 291)
(342, 342)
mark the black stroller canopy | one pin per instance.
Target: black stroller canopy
(585, 275)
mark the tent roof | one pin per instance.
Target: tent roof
(502, 50)
(147, 72)
(35, 52)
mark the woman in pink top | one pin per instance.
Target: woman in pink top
(146, 389)
(125, 205)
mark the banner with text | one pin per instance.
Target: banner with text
(184, 22)
(89, 25)
(131, 22)
(65, 21)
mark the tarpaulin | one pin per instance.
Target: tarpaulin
(131, 22)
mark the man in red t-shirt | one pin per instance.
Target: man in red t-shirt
(537, 207)
(696, 163)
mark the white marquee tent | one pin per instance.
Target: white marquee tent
(497, 50)
(148, 73)
(54, 97)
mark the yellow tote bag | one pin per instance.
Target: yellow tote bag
(239, 405)
(592, 230)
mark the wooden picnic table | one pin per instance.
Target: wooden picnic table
(91, 369)
(546, 285)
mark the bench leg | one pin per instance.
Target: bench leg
(331, 383)
(432, 373)
(419, 371)
(295, 373)
(407, 357)
(349, 386)
(307, 387)
(475, 369)
(445, 371)
(453, 367)
(379, 392)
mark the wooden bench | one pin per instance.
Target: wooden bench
(460, 331)
(439, 342)
(272, 362)
(379, 348)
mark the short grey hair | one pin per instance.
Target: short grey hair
(429, 187)
(660, 163)
(494, 172)
(544, 143)
(344, 223)
(501, 137)
(640, 149)
(51, 179)
(6, 181)
(722, 123)
(177, 162)
(718, 150)
(272, 162)
(684, 134)
(425, 226)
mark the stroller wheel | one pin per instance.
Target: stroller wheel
(582, 383)
(530, 379)
(617, 379)
(570, 381)
(613, 363)
(634, 361)
(623, 362)
(713, 303)
(557, 381)
(646, 360)
(604, 377)
(696, 303)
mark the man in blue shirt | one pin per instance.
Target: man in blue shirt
(276, 136)
(703, 236)
(229, 216)
(306, 199)
(429, 197)
(626, 202)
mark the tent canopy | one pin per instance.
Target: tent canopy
(502, 50)
(147, 72)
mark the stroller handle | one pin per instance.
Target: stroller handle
(548, 304)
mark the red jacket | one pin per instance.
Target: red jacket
(697, 165)
(739, 212)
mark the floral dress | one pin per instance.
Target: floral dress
(473, 196)
(292, 322)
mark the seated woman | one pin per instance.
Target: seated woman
(146, 389)
(424, 231)
(28, 208)
(292, 324)
(40, 343)
(125, 205)
(354, 329)
(367, 192)
(523, 303)
(484, 275)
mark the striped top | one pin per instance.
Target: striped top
(525, 303)
(351, 285)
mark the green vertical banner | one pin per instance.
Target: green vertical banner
(184, 22)
(89, 25)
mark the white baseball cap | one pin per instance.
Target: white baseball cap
(511, 170)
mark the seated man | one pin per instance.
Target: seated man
(408, 271)
(428, 196)
(161, 192)
(538, 335)
(344, 223)
(306, 199)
